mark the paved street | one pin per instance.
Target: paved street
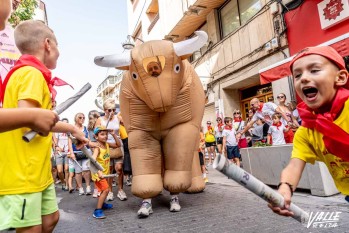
(224, 206)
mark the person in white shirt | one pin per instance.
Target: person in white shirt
(218, 134)
(262, 111)
(276, 131)
(230, 144)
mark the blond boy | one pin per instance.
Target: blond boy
(27, 195)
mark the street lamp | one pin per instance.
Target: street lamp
(130, 42)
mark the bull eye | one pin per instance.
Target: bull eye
(177, 68)
(134, 75)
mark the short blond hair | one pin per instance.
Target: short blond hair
(109, 104)
(30, 36)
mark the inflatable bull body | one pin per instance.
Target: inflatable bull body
(162, 103)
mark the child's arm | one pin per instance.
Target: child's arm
(39, 120)
(268, 138)
(95, 153)
(116, 139)
(291, 175)
(224, 144)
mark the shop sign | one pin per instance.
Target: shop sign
(332, 12)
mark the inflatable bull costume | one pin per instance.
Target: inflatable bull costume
(162, 103)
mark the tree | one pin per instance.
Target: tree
(24, 11)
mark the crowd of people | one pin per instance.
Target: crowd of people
(266, 123)
(69, 162)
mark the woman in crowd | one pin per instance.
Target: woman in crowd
(80, 160)
(110, 121)
(290, 121)
(239, 125)
(210, 142)
(218, 134)
(92, 119)
(61, 148)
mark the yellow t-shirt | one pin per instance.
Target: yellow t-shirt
(209, 135)
(309, 147)
(104, 160)
(122, 132)
(25, 167)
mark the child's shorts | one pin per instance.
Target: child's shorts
(102, 185)
(24, 210)
(61, 160)
(233, 152)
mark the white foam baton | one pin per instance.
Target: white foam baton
(61, 108)
(256, 186)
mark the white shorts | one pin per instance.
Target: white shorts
(83, 163)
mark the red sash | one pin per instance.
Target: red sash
(277, 125)
(29, 60)
(335, 138)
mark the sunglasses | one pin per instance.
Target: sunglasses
(280, 97)
(236, 113)
(219, 120)
(111, 110)
(208, 123)
(81, 117)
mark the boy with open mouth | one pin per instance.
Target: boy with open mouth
(321, 81)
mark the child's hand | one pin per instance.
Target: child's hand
(285, 191)
(42, 120)
(100, 174)
(112, 132)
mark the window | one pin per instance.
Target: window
(235, 13)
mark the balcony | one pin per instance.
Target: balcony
(193, 18)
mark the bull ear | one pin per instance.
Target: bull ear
(119, 61)
(185, 48)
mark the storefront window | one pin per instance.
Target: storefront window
(236, 13)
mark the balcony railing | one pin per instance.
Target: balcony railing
(153, 23)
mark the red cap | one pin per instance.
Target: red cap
(325, 51)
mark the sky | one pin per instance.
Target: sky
(85, 29)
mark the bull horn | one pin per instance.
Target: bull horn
(189, 46)
(116, 60)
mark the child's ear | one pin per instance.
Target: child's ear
(341, 78)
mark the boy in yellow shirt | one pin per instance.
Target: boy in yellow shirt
(27, 196)
(101, 155)
(321, 80)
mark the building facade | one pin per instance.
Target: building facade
(244, 37)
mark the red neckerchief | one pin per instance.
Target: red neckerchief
(237, 119)
(277, 125)
(335, 138)
(228, 127)
(260, 107)
(29, 60)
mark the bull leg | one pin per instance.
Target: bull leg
(178, 147)
(197, 182)
(146, 162)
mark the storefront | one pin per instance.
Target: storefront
(313, 23)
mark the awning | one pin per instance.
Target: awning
(281, 69)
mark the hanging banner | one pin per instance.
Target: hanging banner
(9, 53)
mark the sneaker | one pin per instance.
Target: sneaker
(110, 196)
(106, 206)
(145, 210)
(122, 195)
(65, 188)
(98, 213)
(128, 182)
(95, 193)
(88, 190)
(174, 205)
(81, 191)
